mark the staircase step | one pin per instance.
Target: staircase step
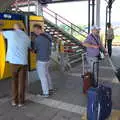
(48, 27)
(60, 35)
(51, 32)
(55, 36)
(45, 25)
(56, 32)
(71, 44)
(64, 38)
(68, 41)
(59, 38)
(47, 30)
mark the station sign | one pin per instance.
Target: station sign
(11, 16)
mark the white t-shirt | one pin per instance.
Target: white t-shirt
(110, 34)
(18, 43)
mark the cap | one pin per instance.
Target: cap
(95, 28)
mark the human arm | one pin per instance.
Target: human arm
(29, 42)
(32, 47)
(89, 44)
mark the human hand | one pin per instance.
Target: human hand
(1, 32)
(105, 52)
(1, 23)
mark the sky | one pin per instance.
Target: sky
(77, 12)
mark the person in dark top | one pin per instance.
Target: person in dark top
(42, 46)
(109, 37)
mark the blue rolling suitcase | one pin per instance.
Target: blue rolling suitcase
(99, 102)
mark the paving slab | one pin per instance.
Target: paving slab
(69, 102)
(34, 111)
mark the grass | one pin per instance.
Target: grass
(116, 39)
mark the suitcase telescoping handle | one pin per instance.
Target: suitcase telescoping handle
(96, 71)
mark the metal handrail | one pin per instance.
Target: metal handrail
(58, 18)
(65, 19)
(66, 24)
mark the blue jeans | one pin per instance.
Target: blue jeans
(43, 73)
(92, 64)
(109, 45)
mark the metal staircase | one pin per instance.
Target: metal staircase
(72, 46)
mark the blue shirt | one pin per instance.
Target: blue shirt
(42, 45)
(92, 52)
(18, 43)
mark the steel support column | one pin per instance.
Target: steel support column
(40, 10)
(110, 7)
(98, 2)
(28, 5)
(89, 16)
(93, 12)
(106, 26)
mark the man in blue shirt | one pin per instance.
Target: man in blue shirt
(17, 55)
(42, 46)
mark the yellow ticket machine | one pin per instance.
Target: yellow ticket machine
(7, 21)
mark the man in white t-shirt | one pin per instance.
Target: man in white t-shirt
(18, 43)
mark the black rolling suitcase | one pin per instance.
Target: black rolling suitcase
(99, 101)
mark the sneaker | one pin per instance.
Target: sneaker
(53, 90)
(20, 105)
(13, 104)
(45, 95)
